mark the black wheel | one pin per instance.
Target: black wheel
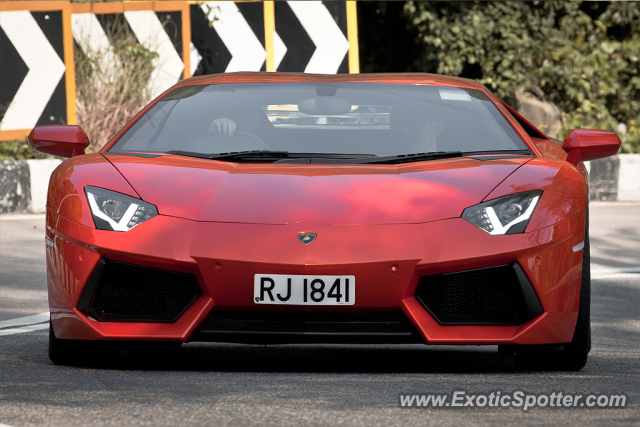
(572, 356)
(576, 352)
(61, 352)
(69, 352)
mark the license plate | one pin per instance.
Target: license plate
(304, 290)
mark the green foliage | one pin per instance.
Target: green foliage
(19, 149)
(582, 56)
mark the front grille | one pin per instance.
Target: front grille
(307, 327)
(494, 296)
(126, 292)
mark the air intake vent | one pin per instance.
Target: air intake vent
(126, 292)
(307, 327)
(489, 296)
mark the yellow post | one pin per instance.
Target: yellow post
(69, 63)
(352, 35)
(186, 40)
(269, 29)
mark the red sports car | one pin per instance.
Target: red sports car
(299, 208)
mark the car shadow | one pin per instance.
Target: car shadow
(318, 359)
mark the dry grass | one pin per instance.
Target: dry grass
(112, 86)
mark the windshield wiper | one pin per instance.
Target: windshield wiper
(405, 158)
(498, 153)
(322, 157)
(331, 156)
(233, 154)
(271, 155)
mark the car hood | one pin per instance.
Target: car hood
(208, 190)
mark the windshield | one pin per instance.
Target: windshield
(339, 118)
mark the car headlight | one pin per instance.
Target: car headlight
(504, 215)
(116, 211)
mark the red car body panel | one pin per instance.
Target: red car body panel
(187, 246)
(225, 222)
(282, 194)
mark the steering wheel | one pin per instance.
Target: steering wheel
(224, 143)
(253, 136)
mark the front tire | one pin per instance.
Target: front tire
(61, 352)
(69, 352)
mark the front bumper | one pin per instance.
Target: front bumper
(224, 257)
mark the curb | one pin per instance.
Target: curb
(24, 183)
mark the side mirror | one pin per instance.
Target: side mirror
(590, 144)
(63, 141)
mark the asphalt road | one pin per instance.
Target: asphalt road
(318, 385)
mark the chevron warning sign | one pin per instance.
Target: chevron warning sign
(313, 36)
(37, 74)
(302, 36)
(228, 36)
(159, 32)
(32, 70)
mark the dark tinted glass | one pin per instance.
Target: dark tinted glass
(355, 118)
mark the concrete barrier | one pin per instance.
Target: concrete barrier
(15, 186)
(615, 178)
(24, 183)
(629, 177)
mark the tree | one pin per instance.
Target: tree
(582, 56)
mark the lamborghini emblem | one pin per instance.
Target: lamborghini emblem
(307, 238)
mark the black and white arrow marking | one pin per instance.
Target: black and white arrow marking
(330, 42)
(150, 33)
(227, 37)
(313, 37)
(247, 53)
(44, 65)
(310, 36)
(91, 38)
